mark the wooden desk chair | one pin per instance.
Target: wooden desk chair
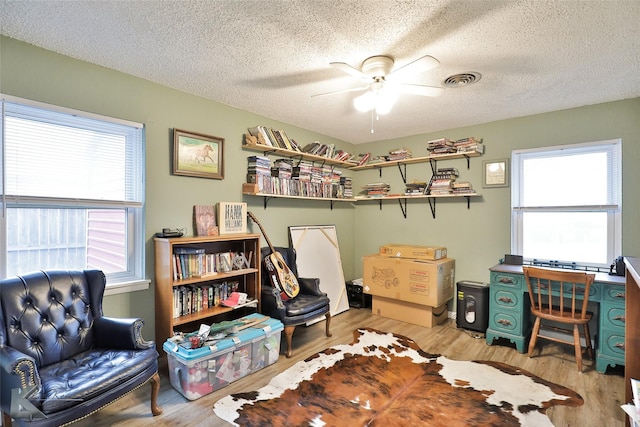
(555, 296)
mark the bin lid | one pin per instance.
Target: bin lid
(266, 327)
(196, 354)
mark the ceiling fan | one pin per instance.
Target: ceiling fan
(382, 82)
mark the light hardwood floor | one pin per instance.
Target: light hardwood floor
(603, 393)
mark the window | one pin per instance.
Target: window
(567, 203)
(72, 192)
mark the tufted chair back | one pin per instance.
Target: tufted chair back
(49, 315)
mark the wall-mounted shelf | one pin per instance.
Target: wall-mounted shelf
(292, 154)
(402, 164)
(268, 197)
(402, 200)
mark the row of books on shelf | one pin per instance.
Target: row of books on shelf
(377, 189)
(283, 177)
(286, 168)
(435, 147)
(278, 139)
(443, 182)
(396, 154)
(448, 146)
(294, 187)
(192, 262)
(192, 299)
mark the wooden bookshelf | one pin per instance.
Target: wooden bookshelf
(166, 281)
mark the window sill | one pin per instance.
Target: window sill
(125, 287)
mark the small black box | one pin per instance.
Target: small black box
(357, 297)
(473, 306)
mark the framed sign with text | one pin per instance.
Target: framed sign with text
(495, 173)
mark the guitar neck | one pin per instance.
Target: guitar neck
(254, 219)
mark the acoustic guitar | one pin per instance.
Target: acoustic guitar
(280, 275)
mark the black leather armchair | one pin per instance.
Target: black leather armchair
(310, 303)
(60, 358)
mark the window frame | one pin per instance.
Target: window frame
(613, 207)
(133, 278)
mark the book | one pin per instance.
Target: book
(204, 217)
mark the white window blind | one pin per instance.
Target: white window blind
(72, 191)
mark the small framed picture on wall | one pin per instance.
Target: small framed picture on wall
(495, 173)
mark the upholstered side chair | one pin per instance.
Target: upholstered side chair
(61, 359)
(309, 304)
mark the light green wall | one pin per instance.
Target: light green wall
(476, 238)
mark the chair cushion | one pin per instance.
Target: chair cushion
(89, 374)
(303, 304)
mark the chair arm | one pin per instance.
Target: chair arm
(18, 371)
(272, 302)
(117, 333)
(310, 286)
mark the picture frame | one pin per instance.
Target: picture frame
(197, 155)
(232, 217)
(495, 173)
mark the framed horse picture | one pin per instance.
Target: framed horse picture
(196, 154)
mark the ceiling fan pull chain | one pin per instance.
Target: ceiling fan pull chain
(372, 120)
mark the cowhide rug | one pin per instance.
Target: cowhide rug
(384, 379)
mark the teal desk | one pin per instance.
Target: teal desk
(509, 313)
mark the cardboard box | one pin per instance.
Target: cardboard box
(417, 314)
(413, 251)
(417, 281)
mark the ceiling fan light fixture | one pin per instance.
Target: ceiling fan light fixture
(364, 102)
(379, 98)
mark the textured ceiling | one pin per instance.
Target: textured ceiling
(269, 56)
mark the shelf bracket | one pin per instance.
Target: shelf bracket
(433, 164)
(331, 204)
(380, 172)
(265, 200)
(468, 201)
(403, 173)
(403, 208)
(468, 161)
(432, 205)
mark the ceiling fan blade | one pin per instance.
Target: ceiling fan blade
(354, 89)
(422, 64)
(344, 67)
(421, 90)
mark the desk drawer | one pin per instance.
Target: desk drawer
(613, 293)
(507, 298)
(513, 281)
(613, 316)
(613, 343)
(506, 321)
